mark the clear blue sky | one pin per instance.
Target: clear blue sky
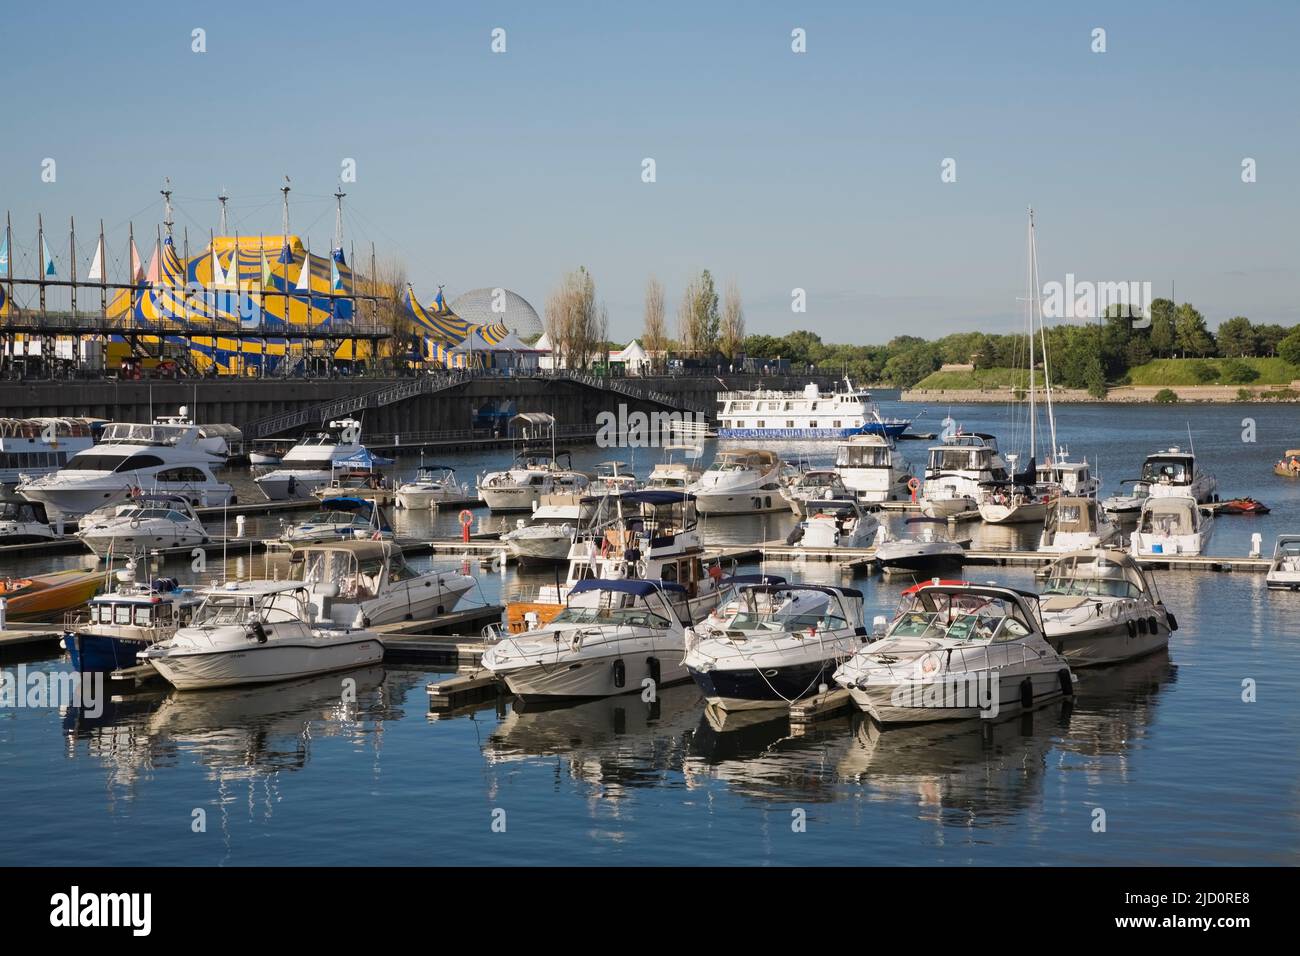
(779, 170)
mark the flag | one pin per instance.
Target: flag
(336, 280)
(218, 277)
(47, 260)
(266, 271)
(96, 273)
(4, 253)
(137, 264)
(304, 277)
(153, 276)
(232, 270)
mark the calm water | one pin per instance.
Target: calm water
(1186, 772)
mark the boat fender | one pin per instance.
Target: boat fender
(652, 669)
(1173, 623)
(1141, 625)
(1132, 629)
(258, 631)
(795, 536)
(620, 673)
(1153, 626)
(1026, 693)
(1067, 685)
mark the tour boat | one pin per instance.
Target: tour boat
(31, 447)
(310, 464)
(871, 467)
(368, 583)
(257, 632)
(809, 414)
(774, 644)
(1284, 572)
(610, 637)
(172, 455)
(118, 624)
(741, 481)
(1174, 474)
(835, 523)
(24, 522)
(1074, 523)
(42, 597)
(928, 551)
(431, 486)
(812, 487)
(1171, 526)
(1100, 607)
(955, 651)
(148, 523)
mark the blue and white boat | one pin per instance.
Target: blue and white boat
(776, 415)
(119, 624)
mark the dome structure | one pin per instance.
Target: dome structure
(476, 306)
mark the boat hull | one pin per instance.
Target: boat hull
(1111, 644)
(1030, 512)
(266, 663)
(879, 700)
(595, 677)
(52, 594)
(100, 652)
(739, 503)
(756, 688)
(286, 486)
(510, 497)
(891, 429)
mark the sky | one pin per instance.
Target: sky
(774, 169)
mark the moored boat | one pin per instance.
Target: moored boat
(120, 623)
(45, 596)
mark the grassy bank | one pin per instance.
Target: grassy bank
(1174, 372)
(978, 378)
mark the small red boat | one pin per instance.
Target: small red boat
(1242, 506)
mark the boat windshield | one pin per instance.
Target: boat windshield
(635, 616)
(226, 609)
(1085, 585)
(800, 612)
(970, 618)
(958, 459)
(353, 579)
(1166, 471)
(126, 433)
(862, 456)
(332, 517)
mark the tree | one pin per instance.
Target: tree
(1289, 347)
(654, 335)
(732, 335)
(697, 318)
(1237, 337)
(575, 322)
(1190, 333)
(762, 346)
(904, 369)
(1236, 372)
(1268, 337)
(1162, 339)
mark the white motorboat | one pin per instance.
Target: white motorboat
(926, 552)
(120, 623)
(956, 471)
(1075, 523)
(256, 633)
(673, 474)
(1013, 504)
(1066, 477)
(741, 481)
(612, 478)
(548, 534)
(1128, 507)
(1173, 474)
(172, 455)
(431, 486)
(812, 487)
(1284, 572)
(955, 651)
(835, 523)
(1171, 526)
(31, 447)
(24, 522)
(1099, 607)
(534, 472)
(343, 518)
(611, 637)
(309, 464)
(871, 467)
(368, 583)
(148, 523)
(774, 644)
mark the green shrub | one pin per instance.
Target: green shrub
(1236, 372)
(1166, 396)
(1245, 395)
(1203, 371)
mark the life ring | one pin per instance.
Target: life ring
(466, 518)
(913, 485)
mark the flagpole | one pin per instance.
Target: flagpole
(72, 269)
(103, 273)
(40, 251)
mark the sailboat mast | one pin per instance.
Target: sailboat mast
(1029, 328)
(1042, 331)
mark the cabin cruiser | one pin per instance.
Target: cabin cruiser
(769, 414)
(955, 651)
(646, 535)
(148, 523)
(431, 486)
(30, 447)
(835, 523)
(548, 534)
(310, 463)
(118, 624)
(1173, 474)
(257, 632)
(1010, 503)
(1100, 607)
(774, 644)
(531, 475)
(1171, 526)
(741, 481)
(612, 478)
(172, 455)
(1066, 477)
(1074, 523)
(871, 468)
(610, 637)
(1128, 507)
(1284, 572)
(339, 519)
(24, 522)
(928, 551)
(675, 475)
(811, 487)
(956, 470)
(368, 583)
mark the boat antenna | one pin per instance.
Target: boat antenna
(1191, 445)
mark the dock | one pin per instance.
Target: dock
(28, 636)
(461, 692)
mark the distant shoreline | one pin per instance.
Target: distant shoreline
(1120, 395)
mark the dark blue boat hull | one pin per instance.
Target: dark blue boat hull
(775, 686)
(97, 652)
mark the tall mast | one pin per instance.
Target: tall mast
(222, 199)
(1029, 324)
(167, 207)
(338, 217)
(1042, 332)
(72, 262)
(284, 215)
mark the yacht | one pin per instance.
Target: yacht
(835, 523)
(774, 644)
(369, 583)
(534, 471)
(610, 637)
(24, 522)
(926, 552)
(309, 464)
(1284, 572)
(173, 455)
(871, 467)
(675, 474)
(769, 414)
(1011, 503)
(257, 632)
(339, 519)
(31, 447)
(118, 624)
(813, 486)
(1173, 474)
(1066, 477)
(1074, 523)
(149, 523)
(955, 651)
(1100, 607)
(612, 478)
(956, 470)
(431, 486)
(1128, 507)
(741, 481)
(1171, 526)
(548, 534)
